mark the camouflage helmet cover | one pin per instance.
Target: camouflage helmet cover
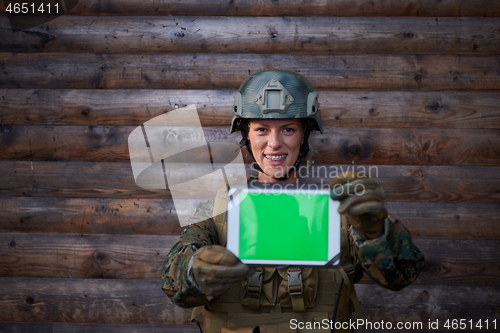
(276, 94)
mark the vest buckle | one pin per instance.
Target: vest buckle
(295, 281)
(349, 270)
(254, 284)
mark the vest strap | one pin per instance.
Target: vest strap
(295, 289)
(254, 289)
(276, 308)
(195, 313)
(353, 297)
(349, 270)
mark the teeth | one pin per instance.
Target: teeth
(275, 158)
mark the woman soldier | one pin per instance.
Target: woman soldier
(275, 110)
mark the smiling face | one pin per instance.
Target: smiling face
(275, 144)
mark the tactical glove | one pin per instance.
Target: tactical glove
(362, 199)
(215, 269)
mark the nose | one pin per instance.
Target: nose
(275, 140)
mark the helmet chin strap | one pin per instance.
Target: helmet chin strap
(304, 149)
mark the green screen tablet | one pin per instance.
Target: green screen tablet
(284, 225)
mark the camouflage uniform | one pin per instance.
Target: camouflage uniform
(200, 232)
(393, 260)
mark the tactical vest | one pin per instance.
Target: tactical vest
(272, 297)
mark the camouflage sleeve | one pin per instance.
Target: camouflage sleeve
(393, 261)
(196, 235)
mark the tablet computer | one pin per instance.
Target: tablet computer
(285, 225)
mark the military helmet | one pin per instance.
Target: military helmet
(276, 94)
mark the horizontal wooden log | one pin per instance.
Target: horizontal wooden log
(159, 217)
(480, 8)
(448, 262)
(456, 262)
(88, 301)
(472, 109)
(368, 146)
(448, 220)
(13, 327)
(140, 302)
(421, 303)
(375, 146)
(410, 109)
(89, 216)
(221, 71)
(110, 106)
(115, 180)
(307, 35)
(85, 256)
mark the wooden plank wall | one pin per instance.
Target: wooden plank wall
(411, 87)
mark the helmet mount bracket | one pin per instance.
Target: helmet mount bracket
(312, 103)
(273, 97)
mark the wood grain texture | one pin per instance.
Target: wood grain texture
(448, 262)
(89, 216)
(110, 106)
(227, 71)
(367, 146)
(93, 107)
(479, 8)
(13, 327)
(88, 301)
(421, 303)
(390, 146)
(115, 180)
(85, 256)
(280, 35)
(159, 217)
(448, 220)
(142, 302)
(456, 262)
(410, 109)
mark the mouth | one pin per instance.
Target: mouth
(275, 157)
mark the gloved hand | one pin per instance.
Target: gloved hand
(362, 199)
(215, 269)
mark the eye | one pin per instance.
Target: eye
(289, 130)
(260, 129)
